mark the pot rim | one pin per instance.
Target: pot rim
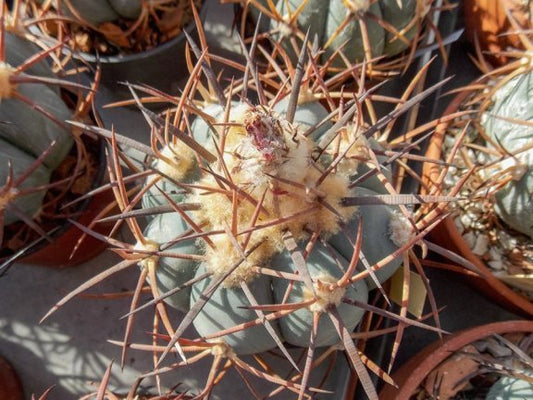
(410, 375)
(132, 57)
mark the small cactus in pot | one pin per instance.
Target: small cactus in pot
(116, 40)
(110, 27)
(43, 160)
(492, 145)
(271, 214)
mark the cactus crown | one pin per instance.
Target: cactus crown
(266, 157)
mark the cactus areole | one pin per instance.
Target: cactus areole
(270, 184)
(360, 29)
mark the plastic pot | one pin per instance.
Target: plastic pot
(410, 376)
(448, 236)
(162, 67)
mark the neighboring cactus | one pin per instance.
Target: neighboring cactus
(116, 26)
(34, 142)
(32, 115)
(489, 144)
(508, 124)
(348, 31)
(271, 214)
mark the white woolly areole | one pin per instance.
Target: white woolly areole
(527, 59)
(6, 87)
(326, 293)
(175, 161)
(357, 5)
(400, 229)
(355, 145)
(221, 349)
(150, 246)
(284, 26)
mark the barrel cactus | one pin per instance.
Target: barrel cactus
(35, 143)
(32, 115)
(271, 214)
(109, 27)
(507, 122)
(489, 142)
(348, 31)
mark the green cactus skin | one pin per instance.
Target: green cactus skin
(99, 11)
(171, 271)
(226, 308)
(377, 240)
(20, 162)
(296, 328)
(325, 17)
(514, 100)
(26, 133)
(510, 388)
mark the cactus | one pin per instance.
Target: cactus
(354, 30)
(486, 135)
(507, 124)
(35, 143)
(32, 116)
(271, 214)
(109, 27)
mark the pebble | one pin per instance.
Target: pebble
(481, 245)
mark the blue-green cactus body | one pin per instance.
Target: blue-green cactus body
(325, 19)
(171, 272)
(203, 135)
(99, 11)
(227, 308)
(34, 132)
(20, 162)
(510, 388)
(514, 101)
(255, 140)
(376, 242)
(296, 327)
(19, 50)
(31, 126)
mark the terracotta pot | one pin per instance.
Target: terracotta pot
(486, 21)
(447, 235)
(10, 386)
(411, 375)
(58, 253)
